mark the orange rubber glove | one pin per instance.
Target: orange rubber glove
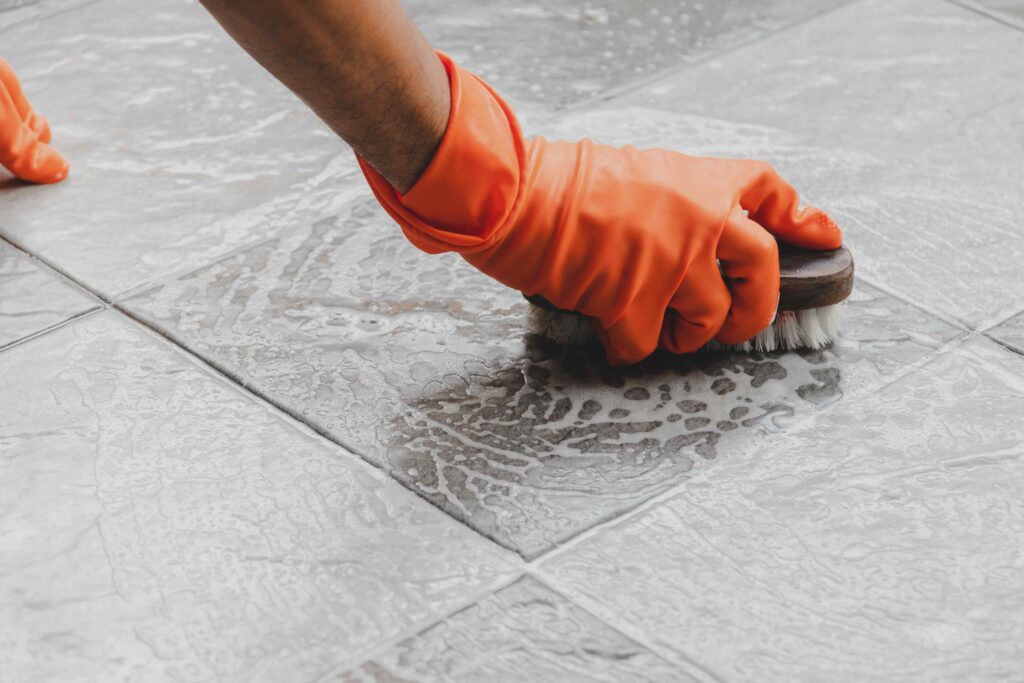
(639, 240)
(24, 135)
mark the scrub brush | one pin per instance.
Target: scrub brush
(812, 285)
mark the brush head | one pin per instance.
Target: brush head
(812, 285)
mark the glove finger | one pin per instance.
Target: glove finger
(749, 258)
(40, 125)
(775, 205)
(697, 311)
(37, 163)
(634, 336)
(9, 82)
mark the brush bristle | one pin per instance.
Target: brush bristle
(813, 328)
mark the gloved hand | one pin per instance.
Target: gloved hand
(24, 135)
(639, 240)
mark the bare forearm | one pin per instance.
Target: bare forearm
(361, 65)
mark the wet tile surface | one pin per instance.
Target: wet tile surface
(1010, 332)
(915, 147)
(526, 632)
(158, 524)
(577, 50)
(192, 150)
(425, 367)
(32, 298)
(879, 541)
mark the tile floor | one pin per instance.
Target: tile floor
(248, 433)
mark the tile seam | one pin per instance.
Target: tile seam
(617, 92)
(995, 16)
(368, 653)
(96, 308)
(674, 657)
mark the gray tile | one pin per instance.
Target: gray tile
(1010, 332)
(554, 54)
(423, 366)
(23, 11)
(881, 541)
(526, 632)
(903, 118)
(188, 151)
(32, 298)
(158, 524)
(1011, 11)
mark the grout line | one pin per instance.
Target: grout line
(98, 308)
(995, 321)
(45, 265)
(626, 88)
(98, 304)
(905, 298)
(64, 275)
(214, 259)
(370, 651)
(1006, 345)
(693, 668)
(994, 15)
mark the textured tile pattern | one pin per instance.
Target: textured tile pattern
(853, 514)
(423, 366)
(577, 50)
(880, 542)
(915, 147)
(32, 298)
(192, 150)
(157, 524)
(525, 632)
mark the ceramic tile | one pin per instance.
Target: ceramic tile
(32, 298)
(1010, 332)
(191, 149)
(1011, 11)
(577, 50)
(915, 146)
(879, 541)
(425, 367)
(22, 11)
(158, 524)
(526, 632)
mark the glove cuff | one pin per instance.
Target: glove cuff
(469, 194)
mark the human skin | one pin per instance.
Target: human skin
(361, 65)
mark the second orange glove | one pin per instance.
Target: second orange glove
(639, 240)
(24, 135)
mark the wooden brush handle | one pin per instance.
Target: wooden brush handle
(812, 279)
(808, 279)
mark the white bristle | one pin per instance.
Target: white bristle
(813, 328)
(788, 326)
